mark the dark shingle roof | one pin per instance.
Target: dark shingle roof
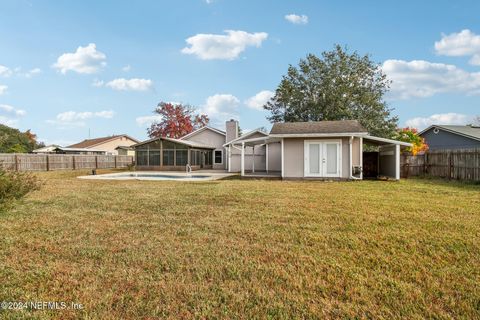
(93, 142)
(342, 126)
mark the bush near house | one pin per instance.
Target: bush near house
(14, 186)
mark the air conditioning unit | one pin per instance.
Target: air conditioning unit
(356, 170)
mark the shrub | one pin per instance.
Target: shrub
(14, 186)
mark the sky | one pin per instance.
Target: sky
(70, 70)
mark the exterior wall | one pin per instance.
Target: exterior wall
(447, 140)
(110, 146)
(294, 156)
(214, 139)
(356, 151)
(123, 152)
(275, 156)
(236, 158)
(386, 161)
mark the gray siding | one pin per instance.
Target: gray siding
(211, 138)
(294, 156)
(447, 140)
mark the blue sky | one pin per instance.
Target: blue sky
(67, 68)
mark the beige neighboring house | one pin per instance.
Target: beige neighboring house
(296, 150)
(107, 144)
(125, 151)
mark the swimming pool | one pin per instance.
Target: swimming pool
(157, 176)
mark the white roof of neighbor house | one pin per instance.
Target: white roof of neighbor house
(49, 148)
(79, 149)
(192, 144)
(203, 129)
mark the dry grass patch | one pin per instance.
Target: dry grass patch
(244, 249)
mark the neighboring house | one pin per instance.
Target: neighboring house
(324, 149)
(47, 149)
(451, 137)
(108, 144)
(54, 149)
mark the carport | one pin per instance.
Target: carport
(386, 161)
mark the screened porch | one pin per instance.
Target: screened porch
(172, 154)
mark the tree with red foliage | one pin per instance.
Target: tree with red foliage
(176, 121)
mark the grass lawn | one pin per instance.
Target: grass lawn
(244, 249)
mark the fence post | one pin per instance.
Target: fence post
(449, 157)
(16, 162)
(425, 163)
(47, 162)
(115, 160)
(73, 162)
(96, 162)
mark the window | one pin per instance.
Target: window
(195, 158)
(181, 157)
(168, 157)
(154, 157)
(142, 158)
(218, 157)
(208, 158)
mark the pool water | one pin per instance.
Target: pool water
(153, 176)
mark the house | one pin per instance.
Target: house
(324, 149)
(451, 137)
(107, 144)
(55, 149)
(46, 150)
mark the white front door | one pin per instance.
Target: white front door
(322, 158)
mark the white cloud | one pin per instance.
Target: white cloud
(5, 71)
(85, 60)
(259, 100)
(12, 110)
(3, 89)
(126, 68)
(33, 72)
(420, 78)
(297, 19)
(442, 118)
(8, 122)
(224, 47)
(73, 118)
(133, 84)
(463, 43)
(221, 107)
(148, 120)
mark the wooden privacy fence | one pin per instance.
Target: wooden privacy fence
(460, 164)
(43, 162)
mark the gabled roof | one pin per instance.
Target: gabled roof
(192, 144)
(472, 132)
(317, 127)
(201, 130)
(246, 135)
(88, 143)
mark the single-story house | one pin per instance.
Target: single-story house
(84, 151)
(108, 144)
(323, 149)
(47, 149)
(451, 137)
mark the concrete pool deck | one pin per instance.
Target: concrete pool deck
(200, 175)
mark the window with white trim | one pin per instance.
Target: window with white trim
(218, 159)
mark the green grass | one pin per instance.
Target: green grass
(244, 249)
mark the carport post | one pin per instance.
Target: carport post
(242, 161)
(253, 158)
(397, 161)
(361, 157)
(266, 157)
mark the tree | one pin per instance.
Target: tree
(14, 141)
(411, 135)
(337, 86)
(176, 121)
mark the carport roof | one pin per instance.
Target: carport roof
(317, 127)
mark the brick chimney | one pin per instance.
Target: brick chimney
(231, 129)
